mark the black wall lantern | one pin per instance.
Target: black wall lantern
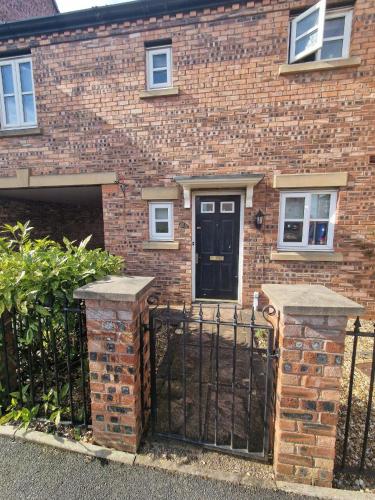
(259, 219)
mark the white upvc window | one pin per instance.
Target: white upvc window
(307, 220)
(336, 36)
(159, 67)
(161, 221)
(325, 34)
(17, 95)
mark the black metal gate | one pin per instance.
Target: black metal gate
(356, 427)
(213, 378)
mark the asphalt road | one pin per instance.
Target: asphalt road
(31, 471)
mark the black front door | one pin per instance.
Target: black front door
(217, 235)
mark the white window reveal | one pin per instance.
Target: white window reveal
(321, 33)
(161, 221)
(307, 220)
(159, 67)
(17, 94)
(227, 207)
(207, 207)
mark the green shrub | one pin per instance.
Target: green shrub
(37, 279)
(34, 273)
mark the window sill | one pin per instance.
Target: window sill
(288, 69)
(161, 245)
(21, 132)
(148, 94)
(307, 256)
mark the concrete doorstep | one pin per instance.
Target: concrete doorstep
(111, 455)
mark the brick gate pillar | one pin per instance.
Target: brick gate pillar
(116, 309)
(312, 324)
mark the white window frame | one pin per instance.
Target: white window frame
(154, 235)
(150, 69)
(333, 14)
(321, 6)
(304, 245)
(21, 123)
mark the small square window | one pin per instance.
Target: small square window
(227, 207)
(320, 34)
(159, 68)
(307, 220)
(208, 207)
(17, 96)
(161, 221)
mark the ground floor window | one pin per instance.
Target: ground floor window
(307, 220)
(161, 221)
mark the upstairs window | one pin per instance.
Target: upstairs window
(159, 67)
(307, 220)
(17, 94)
(319, 34)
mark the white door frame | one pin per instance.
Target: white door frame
(218, 193)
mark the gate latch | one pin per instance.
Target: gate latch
(276, 354)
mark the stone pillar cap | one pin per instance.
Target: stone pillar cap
(115, 288)
(308, 300)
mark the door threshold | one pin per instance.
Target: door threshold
(216, 301)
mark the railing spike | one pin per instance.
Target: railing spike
(201, 311)
(357, 325)
(218, 313)
(235, 315)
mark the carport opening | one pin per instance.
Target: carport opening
(74, 212)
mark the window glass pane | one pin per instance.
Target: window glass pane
(162, 227)
(207, 207)
(307, 23)
(318, 232)
(159, 61)
(161, 213)
(25, 76)
(306, 42)
(160, 76)
(227, 206)
(334, 27)
(28, 108)
(10, 110)
(294, 208)
(7, 78)
(332, 49)
(320, 205)
(293, 232)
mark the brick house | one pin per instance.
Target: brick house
(13, 10)
(215, 145)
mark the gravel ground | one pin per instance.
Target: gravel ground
(358, 412)
(30, 471)
(206, 460)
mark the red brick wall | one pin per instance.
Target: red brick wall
(234, 114)
(55, 220)
(15, 10)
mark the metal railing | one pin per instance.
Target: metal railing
(44, 361)
(357, 416)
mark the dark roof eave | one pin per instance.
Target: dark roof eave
(109, 14)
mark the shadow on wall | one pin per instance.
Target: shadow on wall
(56, 220)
